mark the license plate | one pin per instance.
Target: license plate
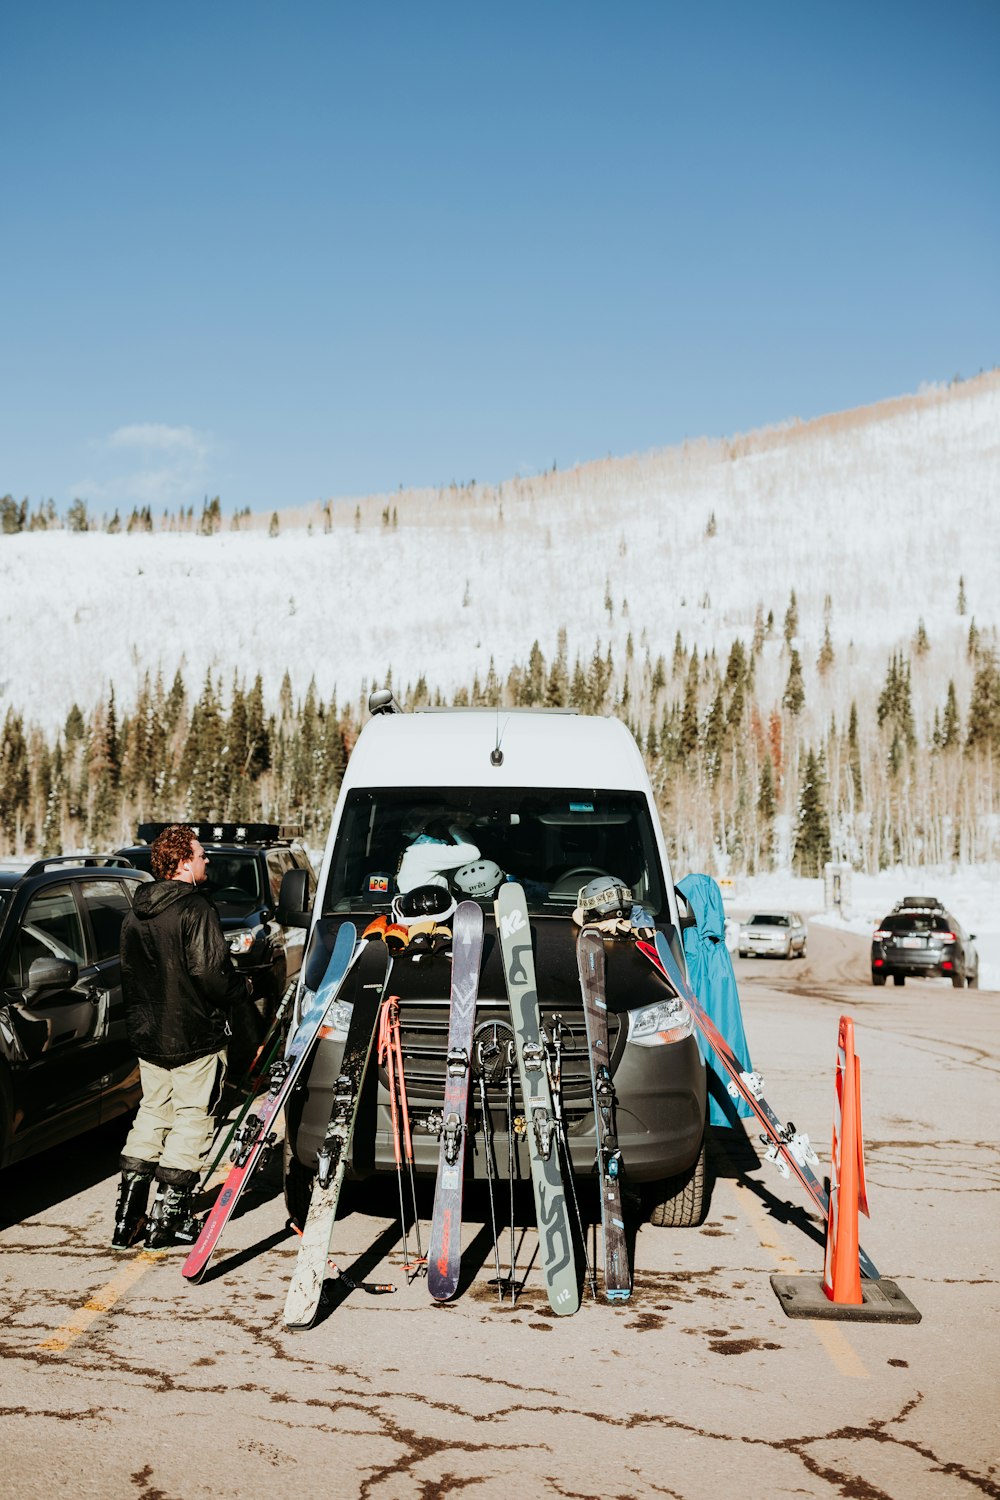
(912, 942)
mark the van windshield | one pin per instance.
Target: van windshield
(553, 841)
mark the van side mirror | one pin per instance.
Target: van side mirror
(294, 909)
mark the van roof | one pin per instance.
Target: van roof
(453, 748)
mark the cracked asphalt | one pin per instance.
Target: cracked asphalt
(118, 1379)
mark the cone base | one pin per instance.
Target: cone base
(883, 1302)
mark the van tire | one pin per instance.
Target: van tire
(678, 1202)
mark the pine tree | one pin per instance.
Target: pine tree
(689, 714)
(557, 692)
(812, 829)
(984, 706)
(951, 729)
(791, 626)
(794, 696)
(825, 659)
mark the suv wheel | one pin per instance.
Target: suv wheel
(974, 979)
(678, 1202)
(878, 978)
(957, 980)
(899, 978)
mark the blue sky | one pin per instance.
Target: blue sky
(281, 253)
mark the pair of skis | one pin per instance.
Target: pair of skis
(541, 1094)
(787, 1148)
(254, 1140)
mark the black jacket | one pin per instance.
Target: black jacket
(178, 979)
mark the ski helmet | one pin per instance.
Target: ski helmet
(604, 897)
(424, 901)
(480, 878)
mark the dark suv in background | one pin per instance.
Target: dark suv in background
(919, 938)
(65, 1062)
(245, 864)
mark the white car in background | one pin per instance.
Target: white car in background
(773, 934)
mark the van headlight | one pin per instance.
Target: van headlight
(241, 940)
(669, 1020)
(338, 1016)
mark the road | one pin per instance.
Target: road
(120, 1380)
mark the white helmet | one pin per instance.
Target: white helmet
(480, 878)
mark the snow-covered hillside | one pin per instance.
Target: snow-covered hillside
(881, 510)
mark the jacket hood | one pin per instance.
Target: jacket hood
(157, 896)
(703, 896)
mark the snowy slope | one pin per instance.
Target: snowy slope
(881, 509)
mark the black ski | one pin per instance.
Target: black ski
(306, 1287)
(445, 1253)
(590, 961)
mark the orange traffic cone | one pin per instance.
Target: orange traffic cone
(848, 1194)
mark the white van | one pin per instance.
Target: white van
(552, 800)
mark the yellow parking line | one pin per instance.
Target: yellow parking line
(841, 1352)
(101, 1301)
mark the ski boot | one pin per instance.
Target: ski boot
(171, 1221)
(133, 1195)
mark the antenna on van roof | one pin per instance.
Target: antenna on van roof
(496, 754)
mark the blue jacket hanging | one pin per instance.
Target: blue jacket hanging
(710, 970)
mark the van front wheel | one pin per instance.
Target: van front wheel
(678, 1202)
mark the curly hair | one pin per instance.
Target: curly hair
(170, 849)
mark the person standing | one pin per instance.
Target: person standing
(179, 985)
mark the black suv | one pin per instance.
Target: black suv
(65, 1062)
(921, 939)
(245, 864)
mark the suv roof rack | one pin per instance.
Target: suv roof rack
(228, 833)
(919, 903)
(85, 860)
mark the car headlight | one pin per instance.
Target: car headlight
(242, 940)
(669, 1020)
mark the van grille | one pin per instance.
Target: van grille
(424, 1040)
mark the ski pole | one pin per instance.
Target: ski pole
(404, 1108)
(510, 1163)
(488, 1146)
(553, 1066)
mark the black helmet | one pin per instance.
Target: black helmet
(423, 903)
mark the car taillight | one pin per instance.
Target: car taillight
(878, 963)
(880, 934)
(945, 937)
(947, 964)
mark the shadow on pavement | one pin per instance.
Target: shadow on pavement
(33, 1186)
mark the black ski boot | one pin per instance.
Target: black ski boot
(170, 1219)
(133, 1195)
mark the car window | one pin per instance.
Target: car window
(50, 928)
(769, 919)
(278, 861)
(107, 904)
(233, 878)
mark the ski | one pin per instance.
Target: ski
(249, 1088)
(787, 1148)
(590, 962)
(555, 1238)
(254, 1140)
(445, 1252)
(306, 1287)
